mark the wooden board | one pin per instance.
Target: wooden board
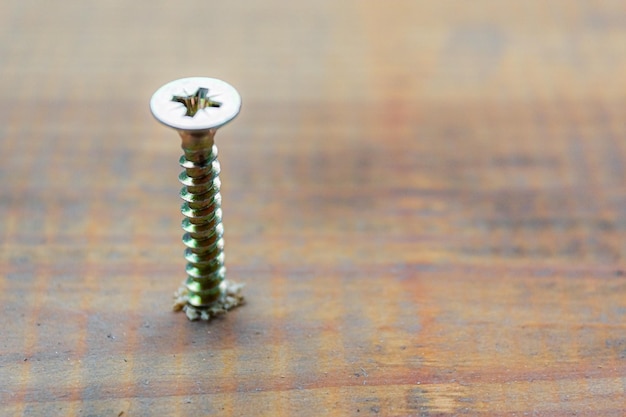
(425, 200)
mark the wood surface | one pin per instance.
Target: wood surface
(426, 201)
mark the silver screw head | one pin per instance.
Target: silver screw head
(195, 103)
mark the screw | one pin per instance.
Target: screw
(196, 107)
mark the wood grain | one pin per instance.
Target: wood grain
(426, 201)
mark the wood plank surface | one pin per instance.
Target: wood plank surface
(426, 201)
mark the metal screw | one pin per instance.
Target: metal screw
(196, 107)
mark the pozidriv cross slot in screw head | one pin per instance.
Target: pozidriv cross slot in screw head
(196, 107)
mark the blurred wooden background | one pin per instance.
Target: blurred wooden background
(426, 200)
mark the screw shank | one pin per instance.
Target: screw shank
(203, 222)
(197, 144)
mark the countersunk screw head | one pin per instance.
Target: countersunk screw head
(195, 103)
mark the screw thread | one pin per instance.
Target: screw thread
(202, 224)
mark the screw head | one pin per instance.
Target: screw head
(195, 103)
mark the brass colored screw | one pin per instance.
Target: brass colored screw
(196, 107)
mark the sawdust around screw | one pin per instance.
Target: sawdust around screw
(231, 297)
